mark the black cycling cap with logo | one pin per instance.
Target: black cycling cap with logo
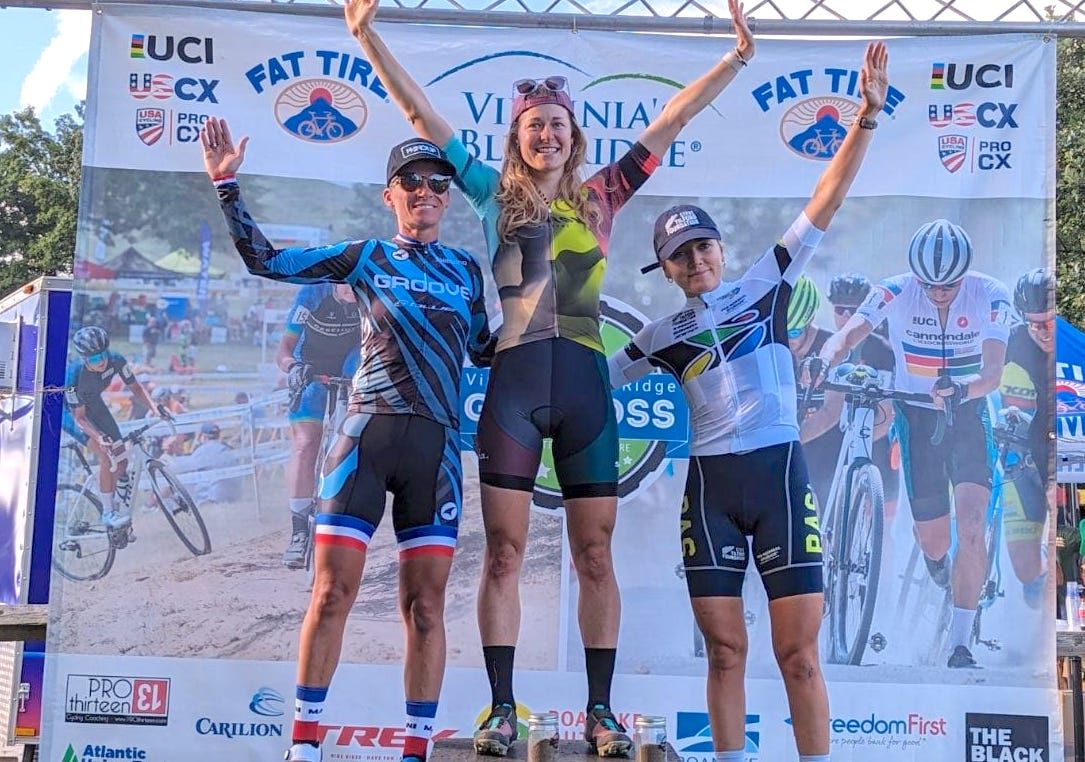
(417, 149)
(676, 226)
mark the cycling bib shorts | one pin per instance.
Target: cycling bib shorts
(414, 458)
(553, 388)
(764, 494)
(962, 457)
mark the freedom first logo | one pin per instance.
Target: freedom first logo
(1005, 738)
(318, 94)
(114, 699)
(821, 107)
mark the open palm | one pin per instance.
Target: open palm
(359, 14)
(874, 78)
(221, 157)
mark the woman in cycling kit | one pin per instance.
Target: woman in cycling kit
(747, 476)
(547, 233)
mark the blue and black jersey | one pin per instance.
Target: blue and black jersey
(328, 331)
(83, 386)
(422, 310)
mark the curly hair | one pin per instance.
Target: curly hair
(520, 200)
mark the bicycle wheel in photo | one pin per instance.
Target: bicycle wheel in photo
(81, 547)
(179, 508)
(859, 567)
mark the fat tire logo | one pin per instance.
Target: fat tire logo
(1005, 738)
(114, 699)
(693, 740)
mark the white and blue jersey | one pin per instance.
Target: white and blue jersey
(422, 310)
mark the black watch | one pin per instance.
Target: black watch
(867, 124)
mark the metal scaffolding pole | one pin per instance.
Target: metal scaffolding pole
(613, 22)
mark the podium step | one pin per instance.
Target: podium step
(463, 750)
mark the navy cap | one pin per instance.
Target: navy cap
(416, 149)
(678, 225)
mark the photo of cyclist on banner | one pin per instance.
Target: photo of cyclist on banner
(747, 477)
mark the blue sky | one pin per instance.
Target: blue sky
(43, 59)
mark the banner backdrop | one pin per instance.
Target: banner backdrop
(174, 654)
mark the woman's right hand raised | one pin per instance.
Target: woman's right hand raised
(220, 157)
(359, 15)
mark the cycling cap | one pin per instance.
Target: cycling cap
(676, 226)
(940, 252)
(416, 149)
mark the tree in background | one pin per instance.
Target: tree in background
(39, 195)
(1070, 187)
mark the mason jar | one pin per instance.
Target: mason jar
(542, 737)
(650, 738)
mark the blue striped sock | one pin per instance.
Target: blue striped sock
(418, 728)
(308, 710)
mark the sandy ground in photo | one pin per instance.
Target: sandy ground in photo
(239, 602)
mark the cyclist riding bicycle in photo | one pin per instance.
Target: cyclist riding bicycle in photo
(85, 381)
(424, 314)
(819, 425)
(1026, 396)
(322, 336)
(948, 328)
(747, 475)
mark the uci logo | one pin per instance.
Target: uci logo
(191, 50)
(962, 76)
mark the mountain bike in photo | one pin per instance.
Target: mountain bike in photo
(84, 547)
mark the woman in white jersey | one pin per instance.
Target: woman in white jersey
(747, 476)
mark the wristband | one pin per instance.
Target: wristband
(735, 60)
(224, 179)
(866, 124)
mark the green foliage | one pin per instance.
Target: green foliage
(39, 195)
(1070, 189)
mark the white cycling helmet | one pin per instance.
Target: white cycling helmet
(940, 252)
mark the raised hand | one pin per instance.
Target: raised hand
(745, 42)
(220, 157)
(874, 79)
(359, 14)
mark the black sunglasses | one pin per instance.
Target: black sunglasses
(943, 286)
(529, 86)
(412, 181)
(844, 309)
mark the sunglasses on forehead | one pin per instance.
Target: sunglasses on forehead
(530, 86)
(412, 181)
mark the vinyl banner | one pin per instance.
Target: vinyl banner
(178, 637)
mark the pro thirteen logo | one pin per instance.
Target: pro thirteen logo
(826, 104)
(321, 100)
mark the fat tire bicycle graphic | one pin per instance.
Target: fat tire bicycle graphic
(321, 127)
(824, 143)
(84, 547)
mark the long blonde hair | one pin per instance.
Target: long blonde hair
(519, 198)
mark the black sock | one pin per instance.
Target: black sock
(499, 668)
(600, 668)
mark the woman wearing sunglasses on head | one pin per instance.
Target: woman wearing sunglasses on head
(747, 476)
(547, 232)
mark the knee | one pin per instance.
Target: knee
(725, 654)
(594, 563)
(425, 614)
(304, 441)
(332, 598)
(503, 558)
(799, 663)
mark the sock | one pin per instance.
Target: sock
(107, 502)
(419, 728)
(300, 505)
(734, 755)
(599, 663)
(960, 629)
(499, 661)
(814, 758)
(308, 709)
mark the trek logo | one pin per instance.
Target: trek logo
(435, 287)
(371, 737)
(995, 116)
(956, 76)
(1005, 738)
(192, 50)
(163, 87)
(693, 737)
(112, 699)
(826, 105)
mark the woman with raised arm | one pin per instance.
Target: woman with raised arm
(747, 476)
(547, 232)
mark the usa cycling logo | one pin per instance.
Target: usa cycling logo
(150, 124)
(818, 107)
(694, 737)
(318, 95)
(958, 151)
